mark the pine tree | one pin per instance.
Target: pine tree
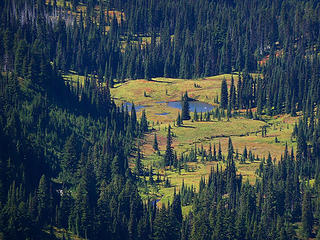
(307, 215)
(143, 122)
(185, 114)
(179, 120)
(138, 167)
(155, 143)
(195, 115)
(70, 160)
(233, 97)
(176, 208)
(219, 152)
(230, 150)
(151, 175)
(19, 57)
(293, 106)
(224, 94)
(43, 200)
(168, 157)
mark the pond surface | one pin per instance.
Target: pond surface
(129, 106)
(162, 114)
(200, 106)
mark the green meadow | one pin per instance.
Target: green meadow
(244, 132)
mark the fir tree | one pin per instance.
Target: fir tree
(155, 143)
(169, 156)
(185, 114)
(138, 166)
(307, 215)
(224, 94)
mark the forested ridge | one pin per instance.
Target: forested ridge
(66, 148)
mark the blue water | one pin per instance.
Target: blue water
(162, 114)
(129, 106)
(200, 106)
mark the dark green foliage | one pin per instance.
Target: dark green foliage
(195, 115)
(70, 160)
(179, 120)
(43, 201)
(138, 165)
(185, 113)
(64, 146)
(155, 143)
(168, 156)
(143, 122)
(307, 215)
(224, 94)
(233, 97)
(165, 225)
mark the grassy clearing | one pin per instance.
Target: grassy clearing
(168, 89)
(192, 133)
(149, 93)
(191, 177)
(243, 132)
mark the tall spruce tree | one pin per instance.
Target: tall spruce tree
(307, 215)
(185, 113)
(169, 156)
(224, 94)
(155, 143)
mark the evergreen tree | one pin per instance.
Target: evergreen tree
(230, 150)
(155, 143)
(144, 122)
(185, 113)
(70, 160)
(307, 215)
(169, 156)
(233, 97)
(224, 94)
(138, 166)
(195, 115)
(43, 201)
(179, 120)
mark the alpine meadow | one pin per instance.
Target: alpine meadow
(160, 119)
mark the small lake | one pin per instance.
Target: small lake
(200, 106)
(162, 114)
(129, 106)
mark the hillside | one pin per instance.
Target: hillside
(160, 120)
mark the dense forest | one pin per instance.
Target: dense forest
(65, 148)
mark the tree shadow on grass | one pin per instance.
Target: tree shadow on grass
(183, 126)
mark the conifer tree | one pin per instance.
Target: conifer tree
(179, 120)
(307, 215)
(155, 143)
(230, 150)
(70, 160)
(144, 122)
(233, 99)
(43, 200)
(219, 152)
(195, 115)
(224, 94)
(138, 167)
(168, 157)
(185, 114)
